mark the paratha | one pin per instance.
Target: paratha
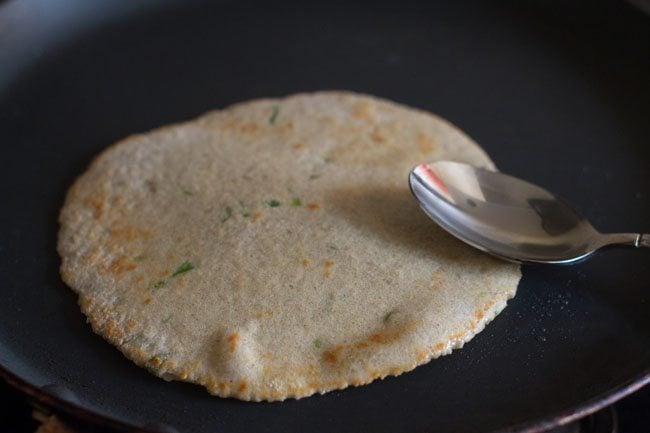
(272, 249)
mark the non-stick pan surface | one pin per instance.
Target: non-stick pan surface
(558, 95)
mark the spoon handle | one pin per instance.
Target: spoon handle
(627, 239)
(643, 240)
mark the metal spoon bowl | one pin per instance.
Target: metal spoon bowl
(508, 217)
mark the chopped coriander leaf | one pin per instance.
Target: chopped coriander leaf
(244, 210)
(186, 191)
(388, 315)
(273, 203)
(136, 338)
(274, 114)
(296, 202)
(167, 319)
(331, 247)
(329, 302)
(184, 267)
(317, 343)
(138, 258)
(227, 214)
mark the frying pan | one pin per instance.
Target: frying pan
(556, 93)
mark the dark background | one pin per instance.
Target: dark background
(15, 415)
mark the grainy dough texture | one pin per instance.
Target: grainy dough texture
(272, 249)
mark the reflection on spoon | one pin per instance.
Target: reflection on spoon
(508, 217)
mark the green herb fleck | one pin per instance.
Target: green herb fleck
(273, 203)
(167, 319)
(327, 159)
(151, 185)
(135, 338)
(274, 114)
(138, 258)
(331, 247)
(244, 211)
(388, 316)
(227, 214)
(296, 202)
(318, 343)
(314, 176)
(329, 302)
(186, 191)
(184, 267)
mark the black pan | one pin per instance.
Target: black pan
(558, 94)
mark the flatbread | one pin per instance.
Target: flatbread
(273, 250)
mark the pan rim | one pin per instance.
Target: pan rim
(539, 425)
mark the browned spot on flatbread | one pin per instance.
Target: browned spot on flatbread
(147, 301)
(232, 341)
(456, 336)
(121, 265)
(386, 337)
(298, 146)
(332, 355)
(243, 386)
(313, 206)
(96, 203)
(249, 127)
(363, 111)
(377, 137)
(112, 330)
(263, 313)
(306, 262)
(328, 268)
(238, 282)
(211, 384)
(437, 278)
(425, 143)
(257, 215)
(85, 302)
(439, 346)
(239, 125)
(130, 233)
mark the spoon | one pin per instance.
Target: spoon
(508, 217)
